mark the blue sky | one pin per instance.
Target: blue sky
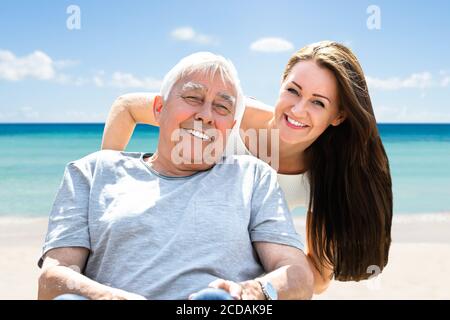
(49, 73)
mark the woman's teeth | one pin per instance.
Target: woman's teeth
(199, 134)
(296, 123)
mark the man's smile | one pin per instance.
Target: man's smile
(198, 134)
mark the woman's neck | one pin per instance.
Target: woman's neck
(291, 157)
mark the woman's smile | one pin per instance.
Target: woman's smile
(294, 124)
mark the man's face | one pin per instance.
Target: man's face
(195, 120)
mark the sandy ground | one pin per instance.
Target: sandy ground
(419, 261)
(418, 264)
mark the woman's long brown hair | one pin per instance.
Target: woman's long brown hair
(350, 206)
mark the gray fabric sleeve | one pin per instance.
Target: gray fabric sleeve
(271, 220)
(68, 221)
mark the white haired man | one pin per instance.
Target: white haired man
(166, 225)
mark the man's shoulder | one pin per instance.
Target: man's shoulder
(104, 158)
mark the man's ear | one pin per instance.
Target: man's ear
(157, 106)
(342, 115)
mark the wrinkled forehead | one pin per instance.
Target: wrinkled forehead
(207, 83)
(202, 89)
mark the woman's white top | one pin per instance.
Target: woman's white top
(294, 186)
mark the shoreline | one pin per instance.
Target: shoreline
(418, 265)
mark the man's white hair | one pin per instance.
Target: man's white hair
(209, 64)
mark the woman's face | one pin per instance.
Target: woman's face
(307, 105)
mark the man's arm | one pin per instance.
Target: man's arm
(61, 274)
(287, 270)
(125, 113)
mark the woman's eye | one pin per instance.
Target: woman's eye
(293, 91)
(319, 103)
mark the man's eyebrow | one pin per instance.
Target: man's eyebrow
(193, 86)
(227, 97)
(314, 94)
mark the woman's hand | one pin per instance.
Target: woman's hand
(125, 113)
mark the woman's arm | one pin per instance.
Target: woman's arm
(125, 113)
(321, 280)
(256, 115)
(133, 108)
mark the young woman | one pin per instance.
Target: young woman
(330, 157)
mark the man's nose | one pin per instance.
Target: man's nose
(205, 113)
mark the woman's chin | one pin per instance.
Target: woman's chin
(292, 139)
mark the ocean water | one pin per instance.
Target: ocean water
(33, 157)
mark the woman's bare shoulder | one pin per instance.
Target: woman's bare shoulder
(257, 114)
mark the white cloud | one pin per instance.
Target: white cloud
(405, 114)
(445, 81)
(83, 116)
(98, 81)
(128, 80)
(390, 114)
(445, 78)
(184, 33)
(348, 43)
(418, 111)
(271, 45)
(66, 79)
(189, 34)
(66, 63)
(37, 65)
(422, 81)
(40, 66)
(117, 80)
(7, 116)
(22, 114)
(29, 114)
(416, 80)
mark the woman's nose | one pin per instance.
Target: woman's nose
(299, 108)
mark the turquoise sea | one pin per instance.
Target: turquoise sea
(33, 157)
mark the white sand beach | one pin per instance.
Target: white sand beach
(419, 261)
(418, 264)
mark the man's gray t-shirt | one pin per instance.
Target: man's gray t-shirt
(167, 237)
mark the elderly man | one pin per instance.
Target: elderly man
(166, 225)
